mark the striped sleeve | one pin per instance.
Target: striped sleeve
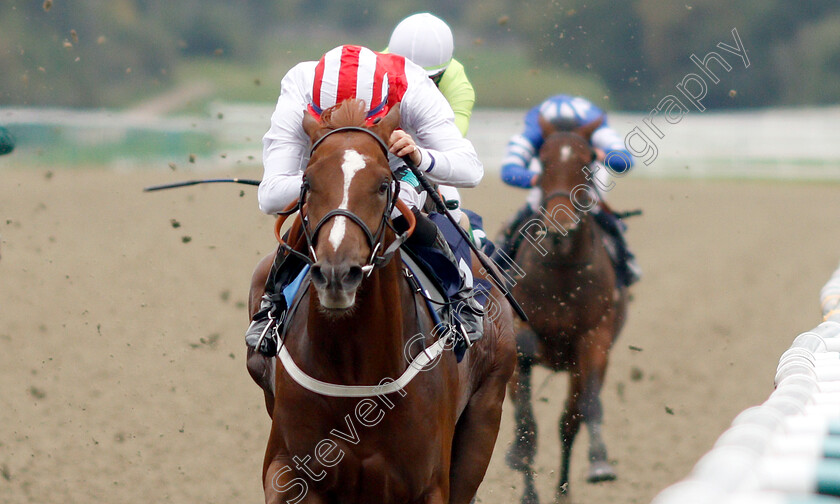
(617, 159)
(520, 152)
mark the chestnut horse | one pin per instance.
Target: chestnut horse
(356, 327)
(574, 305)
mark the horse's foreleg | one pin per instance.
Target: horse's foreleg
(476, 432)
(594, 367)
(281, 484)
(584, 405)
(282, 481)
(568, 427)
(436, 496)
(520, 456)
(261, 369)
(472, 447)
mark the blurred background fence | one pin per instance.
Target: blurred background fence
(792, 144)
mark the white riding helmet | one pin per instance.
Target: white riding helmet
(424, 39)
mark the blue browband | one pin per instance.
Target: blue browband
(372, 112)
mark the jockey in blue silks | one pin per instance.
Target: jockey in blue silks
(521, 168)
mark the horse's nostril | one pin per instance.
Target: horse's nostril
(353, 276)
(318, 277)
(341, 277)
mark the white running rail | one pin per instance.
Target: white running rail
(786, 450)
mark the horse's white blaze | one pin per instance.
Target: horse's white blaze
(353, 162)
(565, 153)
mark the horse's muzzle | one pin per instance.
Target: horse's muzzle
(336, 283)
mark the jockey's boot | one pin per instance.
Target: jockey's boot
(468, 312)
(267, 323)
(510, 239)
(262, 333)
(627, 268)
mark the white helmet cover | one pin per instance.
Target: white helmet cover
(424, 39)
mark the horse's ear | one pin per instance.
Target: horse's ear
(587, 130)
(312, 127)
(385, 126)
(546, 127)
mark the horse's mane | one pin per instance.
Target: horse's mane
(350, 112)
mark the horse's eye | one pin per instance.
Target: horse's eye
(383, 187)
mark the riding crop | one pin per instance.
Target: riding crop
(196, 182)
(441, 206)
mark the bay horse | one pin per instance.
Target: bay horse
(338, 436)
(574, 305)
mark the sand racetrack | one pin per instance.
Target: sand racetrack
(122, 377)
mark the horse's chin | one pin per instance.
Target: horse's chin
(336, 302)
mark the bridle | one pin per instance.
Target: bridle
(563, 194)
(579, 215)
(376, 260)
(374, 238)
(566, 194)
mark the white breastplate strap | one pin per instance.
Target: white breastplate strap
(422, 360)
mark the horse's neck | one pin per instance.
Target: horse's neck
(580, 243)
(366, 344)
(583, 239)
